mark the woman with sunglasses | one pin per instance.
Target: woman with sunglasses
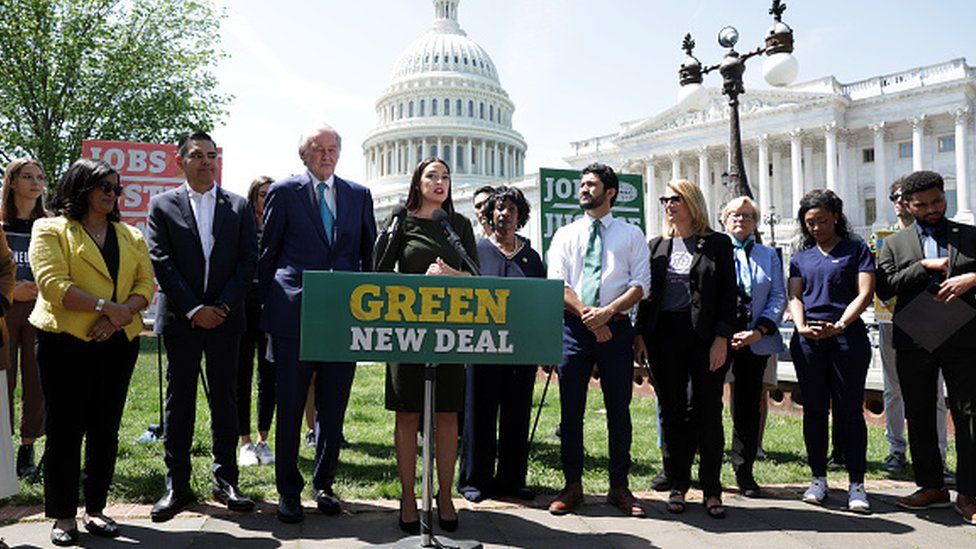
(93, 278)
(683, 331)
(23, 202)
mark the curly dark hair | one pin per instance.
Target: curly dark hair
(921, 181)
(826, 199)
(513, 194)
(414, 198)
(606, 176)
(71, 194)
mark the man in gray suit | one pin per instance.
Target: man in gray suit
(934, 259)
(203, 246)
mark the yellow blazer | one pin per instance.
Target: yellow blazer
(62, 255)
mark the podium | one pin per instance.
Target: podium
(384, 317)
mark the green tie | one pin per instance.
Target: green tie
(591, 266)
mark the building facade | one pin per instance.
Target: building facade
(444, 99)
(855, 139)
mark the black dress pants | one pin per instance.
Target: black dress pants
(918, 371)
(676, 355)
(748, 369)
(496, 396)
(85, 385)
(254, 341)
(184, 353)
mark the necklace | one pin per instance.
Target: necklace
(516, 245)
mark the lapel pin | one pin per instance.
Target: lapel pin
(525, 259)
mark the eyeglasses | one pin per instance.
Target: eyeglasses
(894, 197)
(742, 216)
(108, 187)
(674, 199)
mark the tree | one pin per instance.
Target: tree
(138, 70)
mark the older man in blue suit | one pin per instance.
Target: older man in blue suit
(314, 221)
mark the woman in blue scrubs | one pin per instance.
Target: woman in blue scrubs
(831, 283)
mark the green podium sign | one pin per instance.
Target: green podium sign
(350, 317)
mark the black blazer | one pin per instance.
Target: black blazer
(900, 274)
(177, 257)
(712, 283)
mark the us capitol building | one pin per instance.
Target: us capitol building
(444, 99)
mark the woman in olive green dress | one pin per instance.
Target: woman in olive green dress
(420, 246)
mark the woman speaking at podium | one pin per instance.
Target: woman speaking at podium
(420, 245)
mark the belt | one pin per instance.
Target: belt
(619, 316)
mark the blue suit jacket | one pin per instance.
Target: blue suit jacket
(294, 241)
(768, 296)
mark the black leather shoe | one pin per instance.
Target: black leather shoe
(290, 509)
(327, 502)
(231, 496)
(748, 486)
(412, 528)
(448, 525)
(169, 505)
(110, 529)
(64, 538)
(661, 482)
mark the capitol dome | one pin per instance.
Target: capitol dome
(444, 99)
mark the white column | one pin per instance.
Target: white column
(846, 191)
(494, 159)
(397, 164)
(484, 158)
(675, 165)
(880, 178)
(918, 133)
(469, 158)
(776, 183)
(765, 190)
(706, 189)
(963, 212)
(796, 168)
(423, 149)
(454, 160)
(650, 198)
(440, 148)
(808, 183)
(830, 155)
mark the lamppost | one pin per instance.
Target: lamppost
(779, 69)
(772, 218)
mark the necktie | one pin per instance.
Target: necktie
(592, 263)
(328, 220)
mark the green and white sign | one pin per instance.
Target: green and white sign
(559, 190)
(349, 317)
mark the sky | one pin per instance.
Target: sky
(574, 68)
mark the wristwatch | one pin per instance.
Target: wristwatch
(100, 304)
(840, 324)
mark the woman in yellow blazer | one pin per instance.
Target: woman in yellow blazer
(93, 276)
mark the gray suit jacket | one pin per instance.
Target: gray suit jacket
(177, 257)
(900, 274)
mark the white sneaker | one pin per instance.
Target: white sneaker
(247, 456)
(817, 491)
(857, 498)
(265, 456)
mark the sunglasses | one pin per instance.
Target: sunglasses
(108, 187)
(895, 197)
(674, 199)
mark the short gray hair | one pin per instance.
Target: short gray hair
(736, 203)
(323, 127)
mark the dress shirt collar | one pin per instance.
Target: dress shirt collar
(315, 181)
(194, 194)
(938, 229)
(606, 220)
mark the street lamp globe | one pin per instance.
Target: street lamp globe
(780, 69)
(692, 97)
(728, 36)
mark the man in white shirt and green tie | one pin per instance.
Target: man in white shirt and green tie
(605, 265)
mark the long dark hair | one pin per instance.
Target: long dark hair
(8, 209)
(415, 198)
(71, 195)
(826, 199)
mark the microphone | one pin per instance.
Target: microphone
(440, 216)
(385, 239)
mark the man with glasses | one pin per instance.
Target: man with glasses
(894, 404)
(203, 246)
(480, 198)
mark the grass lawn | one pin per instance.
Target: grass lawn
(368, 469)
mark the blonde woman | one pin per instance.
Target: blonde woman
(24, 184)
(683, 332)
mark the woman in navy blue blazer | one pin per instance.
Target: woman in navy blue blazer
(761, 299)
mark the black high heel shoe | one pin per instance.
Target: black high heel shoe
(412, 527)
(448, 525)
